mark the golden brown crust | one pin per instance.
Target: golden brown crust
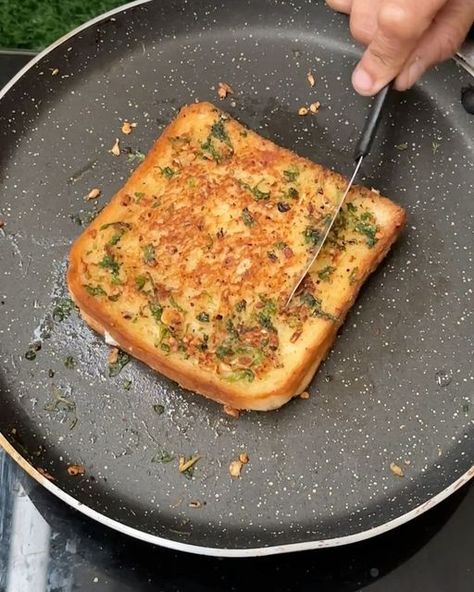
(273, 387)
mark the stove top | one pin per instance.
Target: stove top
(47, 547)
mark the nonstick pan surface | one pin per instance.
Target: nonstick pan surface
(398, 385)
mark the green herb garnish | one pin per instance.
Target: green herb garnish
(369, 230)
(115, 239)
(265, 321)
(224, 351)
(127, 384)
(149, 254)
(291, 174)
(116, 367)
(156, 311)
(247, 217)
(69, 362)
(135, 156)
(168, 172)
(219, 132)
(30, 355)
(140, 282)
(175, 305)
(109, 262)
(60, 403)
(63, 309)
(352, 208)
(293, 193)
(241, 374)
(159, 409)
(203, 317)
(95, 290)
(162, 457)
(241, 306)
(256, 192)
(312, 235)
(230, 328)
(203, 346)
(209, 147)
(353, 275)
(308, 299)
(326, 272)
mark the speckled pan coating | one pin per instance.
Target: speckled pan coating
(398, 386)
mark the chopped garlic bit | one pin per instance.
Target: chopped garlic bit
(113, 355)
(310, 78)
(235, 468)
(231, 411)
(75, 470)
(396, 470)
(184, 464)
(314, 107)
(127, 127)
(115, 150)
(93, 194)
(303, 111)
(224, 89)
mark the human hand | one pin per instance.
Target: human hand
(403, 37)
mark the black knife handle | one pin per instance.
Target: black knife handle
(370, 128)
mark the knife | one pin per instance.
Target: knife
(362, 149)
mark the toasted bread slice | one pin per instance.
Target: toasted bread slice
(189, 266)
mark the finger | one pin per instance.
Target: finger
(439, 42)
(340, 5)
(364, 20)
(400, 24)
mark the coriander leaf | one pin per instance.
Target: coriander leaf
(116, 367)
(247, 217)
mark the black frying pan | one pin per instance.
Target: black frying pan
(397, 387)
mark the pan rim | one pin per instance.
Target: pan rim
(165, 542)
(223, 552)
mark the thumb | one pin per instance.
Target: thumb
(400, 24)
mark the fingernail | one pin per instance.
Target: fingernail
(362, 81)
(415, 70)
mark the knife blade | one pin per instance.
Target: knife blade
(362, 149)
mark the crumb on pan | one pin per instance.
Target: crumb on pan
(115, 150)
(314, 107)
(244, 458)
(127, 127)
(304, 395)
(76, 470)
(93, 194)
(311, 79)
(196, 504)
(228, 410)
(113, 355)
(46, 474)
(224, 89)
(235, 468)
(303, 111)
(184, 465)
(396, 470)
(54, 71)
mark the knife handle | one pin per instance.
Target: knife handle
(370, 127)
